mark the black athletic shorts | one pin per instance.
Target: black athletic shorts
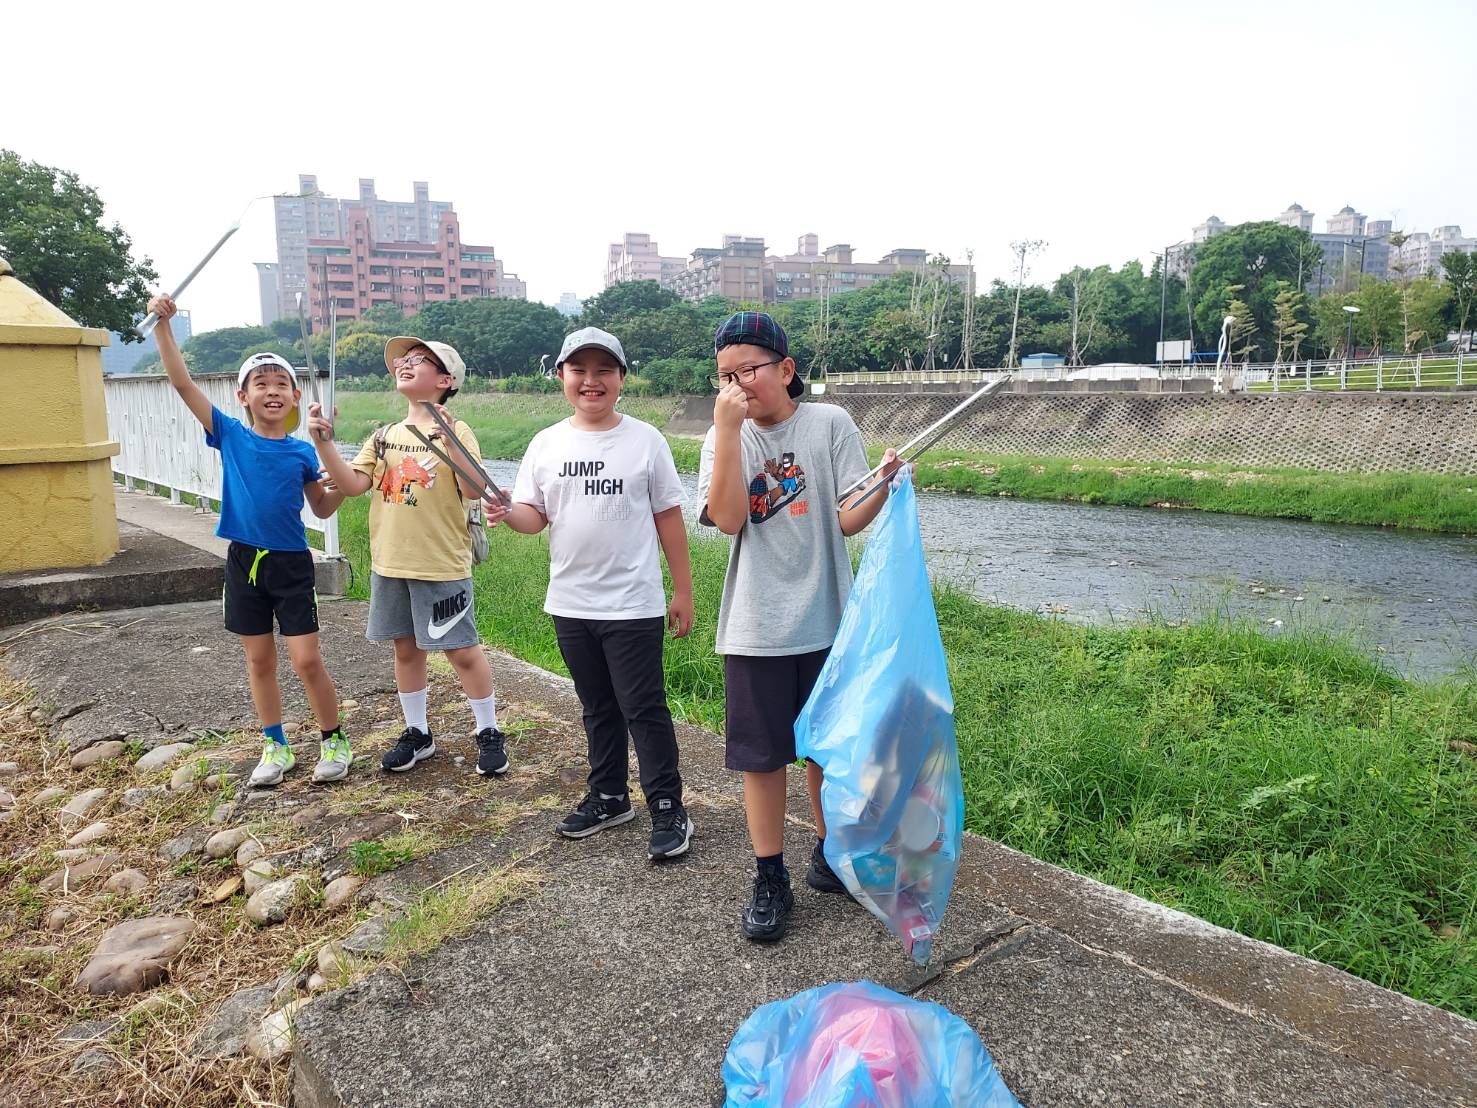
(263, 583)
(762, 697)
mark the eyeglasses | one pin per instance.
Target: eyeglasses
(410, 361)
(742, 375)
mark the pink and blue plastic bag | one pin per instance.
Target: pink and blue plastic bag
(858, 1045)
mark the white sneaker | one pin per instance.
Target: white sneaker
(277, 759)
(334, 759)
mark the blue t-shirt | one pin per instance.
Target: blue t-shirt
(261, 485)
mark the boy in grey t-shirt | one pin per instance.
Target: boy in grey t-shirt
(770, 473)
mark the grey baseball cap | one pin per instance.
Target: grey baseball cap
(587, 337)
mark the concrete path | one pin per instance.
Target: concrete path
(620, 983)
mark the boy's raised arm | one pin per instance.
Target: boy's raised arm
(174, 364)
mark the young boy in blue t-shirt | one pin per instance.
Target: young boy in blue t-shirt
(266, 477)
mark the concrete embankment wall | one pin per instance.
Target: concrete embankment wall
(1336, 432)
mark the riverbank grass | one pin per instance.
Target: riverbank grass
(1286, 788)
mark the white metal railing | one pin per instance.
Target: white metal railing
(162, 444)
(1416, 371)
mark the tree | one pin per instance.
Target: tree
(1087, 304)
(385, 319)
(676, 331)
(52, 233)
(892, 338)
(496, 337)
(1423, 312)
(624, 300)
(1461, 279)
(1291, 328)
(1256, 256)
(224, 350)
(1241, 340)
(669, 375)
(360, 353)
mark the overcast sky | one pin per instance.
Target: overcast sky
(1107, 130)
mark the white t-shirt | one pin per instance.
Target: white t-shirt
(600, 490)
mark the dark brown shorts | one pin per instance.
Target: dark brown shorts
(762, 697)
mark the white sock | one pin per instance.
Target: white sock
(413, 704)
(485, 710)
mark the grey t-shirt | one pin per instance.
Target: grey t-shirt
(788, 570)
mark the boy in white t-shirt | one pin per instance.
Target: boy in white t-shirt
(606, 486)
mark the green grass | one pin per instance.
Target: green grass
(1419, 501)
(1437, 374)
(1287, 788)
(503, 422)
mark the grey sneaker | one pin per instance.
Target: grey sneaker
(277, 759)
(334, 758)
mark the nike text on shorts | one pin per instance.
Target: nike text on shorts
(440, 615)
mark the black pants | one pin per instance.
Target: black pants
(617, 669)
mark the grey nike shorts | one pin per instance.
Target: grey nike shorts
(439, 614)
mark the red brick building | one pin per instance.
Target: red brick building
(348, 276)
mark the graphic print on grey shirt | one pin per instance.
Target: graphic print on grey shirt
(788, 571)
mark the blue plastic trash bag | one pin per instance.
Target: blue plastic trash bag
(880, 722)
(858, 1045)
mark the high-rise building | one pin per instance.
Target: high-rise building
(1346, 222)
(1297, 216)
(1420, 254)
(569, 305)
(803, 274)
(316, 216)
(637, 258)
(741, 269)
(355, 271)
(1207, 230)
(266, 287)
(735, 270)
(120, 357)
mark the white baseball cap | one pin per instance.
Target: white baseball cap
(586, 338)
(274, 361)
(450, 360)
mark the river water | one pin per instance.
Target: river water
(1406, 597)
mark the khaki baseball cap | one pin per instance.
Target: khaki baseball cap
(450, 360)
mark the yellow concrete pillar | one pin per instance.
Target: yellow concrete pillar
(56, 480)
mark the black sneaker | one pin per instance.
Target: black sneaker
(671, 831)
(768, 912)
(413, 746)
(595, 813)
(821, 877)
(492, 752)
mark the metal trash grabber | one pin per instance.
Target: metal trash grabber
(302, 322)
(150, 321)
(914, 448)
(477, 475)
(145, 326)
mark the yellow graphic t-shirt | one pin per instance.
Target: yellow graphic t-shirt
(417, 517)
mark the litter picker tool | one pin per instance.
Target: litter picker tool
(873, 480)
(146, 325)
(475, 475)
(302, 322)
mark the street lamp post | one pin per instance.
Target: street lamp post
(1348, 345)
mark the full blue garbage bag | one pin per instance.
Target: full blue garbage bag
(858, 1045)
(880, 722)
